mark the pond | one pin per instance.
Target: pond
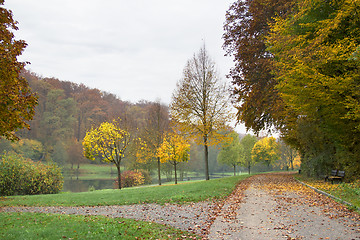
(80, 185)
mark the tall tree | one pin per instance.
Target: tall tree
(317, 66)
(200, 103)
(257, 100)
(17, 102)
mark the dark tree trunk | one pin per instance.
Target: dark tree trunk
(175, 163)
(119, 176)
(159, 173)
(249, 168)
(206, 158)
(234, 170)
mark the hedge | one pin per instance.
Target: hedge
(20, 176)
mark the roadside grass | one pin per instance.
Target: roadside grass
(349, 192)
(180, 193)
(57, 226)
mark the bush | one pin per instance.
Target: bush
(19, 176)
(131, 179)
(147, 176)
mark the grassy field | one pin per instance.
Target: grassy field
(56, 226)
(349, 192)
(180, 193)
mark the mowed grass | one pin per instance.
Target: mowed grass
(56, 226)
(349, 192)
(180, 193)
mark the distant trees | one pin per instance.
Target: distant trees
(200, 102)
(17, 102)
(266, 151)
(247, 143)
(231, 152)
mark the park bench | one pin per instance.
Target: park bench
(335, 176)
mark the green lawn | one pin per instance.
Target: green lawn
(56, 226)
(180, 193)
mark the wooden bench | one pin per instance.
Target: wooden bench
(335, 176)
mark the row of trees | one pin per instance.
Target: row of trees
(249, 151)
(297, 70)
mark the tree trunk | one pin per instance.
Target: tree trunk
(206, 158)
(159, 173)
(119, 175)
(175, 172)
(234, 170)
(249, 168)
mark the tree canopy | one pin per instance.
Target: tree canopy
(200, 102)
(17, 102)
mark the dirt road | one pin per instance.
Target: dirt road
(275, 206)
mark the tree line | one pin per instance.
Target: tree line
(297, 70)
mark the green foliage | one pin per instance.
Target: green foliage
(19, 176)
(57, 226)
(231, 151)
(180, 193)
(247, 144)
(266, 150)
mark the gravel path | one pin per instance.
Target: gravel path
(269, 206)
(275, 206)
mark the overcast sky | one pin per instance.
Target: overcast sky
(136, 49)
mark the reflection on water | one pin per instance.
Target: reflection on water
(76, 185)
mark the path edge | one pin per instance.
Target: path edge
(328, 194)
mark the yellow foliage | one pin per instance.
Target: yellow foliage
(174, 148)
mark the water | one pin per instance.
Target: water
(77, 185)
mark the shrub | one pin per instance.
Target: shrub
(19, 176)
(131, 179)
(147, 176)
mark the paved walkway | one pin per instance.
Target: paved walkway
(275, 206)
(268, 206)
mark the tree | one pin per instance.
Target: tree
(17, 102)
(288, 156)
(266, 150)
(257, 100)
(174, 149)
(231, 151)
(156, 125)
(247, 144)
(200, 103)
(316, 68)
(108, 141)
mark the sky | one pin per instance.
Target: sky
(135, 49)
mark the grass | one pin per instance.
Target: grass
(180, 193)
(56, 226)
(349, 192)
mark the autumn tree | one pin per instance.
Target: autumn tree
(153, 132)
(110, 142)
(231, 152)
(247, 144)
(247, 24)
(174, 149)
(17, 102)
(266, 150)
(200, 103)
(316, 67)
